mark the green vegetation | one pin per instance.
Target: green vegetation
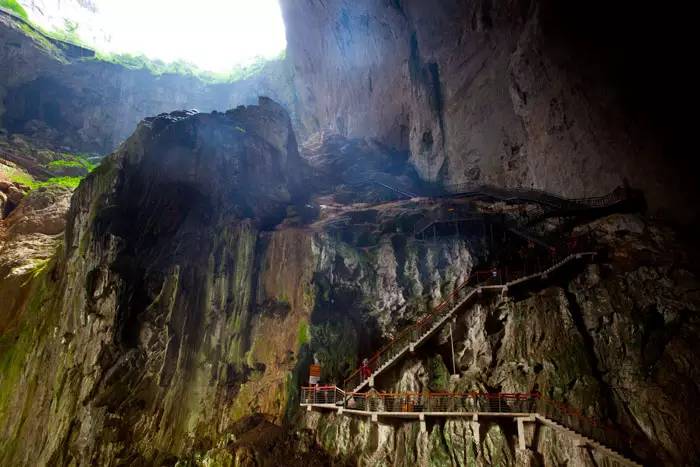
(70, 160)
(303, 336)
(439, 376)
(335, 344)
(70, 34)
(17, 175)
(181, 67)
(68, 182)
(14, 7)
(27, 335)
(22, 178)
(29, 181)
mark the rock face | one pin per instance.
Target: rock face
(175, 318)
(64, 98)
(519, 93)
(614, 340)
(151, 294)
(29, 238)
(171, 312)
(188, 296)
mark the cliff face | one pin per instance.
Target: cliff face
(190, 292)
(171, 312)
(613, 339)
(64, 98)
(518, 93)
(206, 263)
(135, 337)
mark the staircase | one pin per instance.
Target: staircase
(428, 325)
(586, 441)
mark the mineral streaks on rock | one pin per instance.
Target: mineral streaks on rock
(514, 94)
(137, 338)
(613, 341)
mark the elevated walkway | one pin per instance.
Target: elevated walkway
(468, 292)
(549, 202)
(522, 408)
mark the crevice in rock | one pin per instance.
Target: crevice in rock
(590, 352)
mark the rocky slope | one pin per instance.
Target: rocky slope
(572, 99)
(63, 98)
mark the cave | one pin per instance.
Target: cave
(291, 232)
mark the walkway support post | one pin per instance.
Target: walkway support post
(476, 427)
(452, 344)
(521, 430)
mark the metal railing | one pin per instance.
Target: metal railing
(540, 196)
(438, 402)
(434, 319)
(484, 403)
(602, 432)
(322, 395)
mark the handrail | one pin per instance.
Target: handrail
(539, 196)
(430, 321)
(478, 402)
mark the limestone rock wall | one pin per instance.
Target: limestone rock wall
(515, 93)
(184, 297)
(613, 339)
(132, 344)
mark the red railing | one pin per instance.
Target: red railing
(494, 276)
(443, 402)
(480, 403)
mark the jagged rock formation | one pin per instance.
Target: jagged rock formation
(63, 98)
(190, 292)
(146, 306)
(518, 93)
(170, 312)
(616, 340)
(206, 263)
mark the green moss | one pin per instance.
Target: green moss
(14, 7)
(336, 346)
(16, 346)
(68, 182)
(23, 178)
(439, 377)
(439, 455)
(303, 335)
(43, 40)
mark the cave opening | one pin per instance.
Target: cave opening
(210, 35)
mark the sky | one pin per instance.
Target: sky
(215, 35)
